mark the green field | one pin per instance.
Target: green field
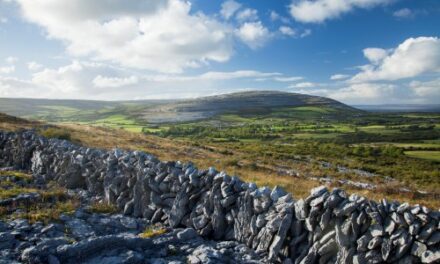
(427, 155)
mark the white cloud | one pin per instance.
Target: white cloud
(11, 60)
(427, 89)
(274, 16)
(13, 87)
(7, 69)
(413, 57)
(337, 77)
(360, 93)
(247, 14)
(103, 82)
(3, 20)
(375, 55)
(318, 11)
(34, 66)
(236, 75)
(286, 30)
(403, 13)
(132, 33)
(363, 92)
(281, 78)
(304, 85)
(91, 80)
(229, 8)
(289, 79)
(253, 34)
(306, 33)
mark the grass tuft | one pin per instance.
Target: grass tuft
(152, 231)
(102, 208)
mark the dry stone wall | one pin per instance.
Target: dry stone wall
(326, 227)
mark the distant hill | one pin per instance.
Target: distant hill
(12, 119)
(427, 108)
(160, 111)
(250, 103)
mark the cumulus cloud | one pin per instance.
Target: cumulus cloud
(274, 16)
(34, 66)
(11, 60)
(236, 75)
(103, 81)
(13, 87)
(132, 33)
(229, 8)
(7, 69)
(318, 11)
(413, 57)
(286, 30)
(337, 77)
(426, 89)
(304, 85)
(375, 55)
(247, 14)
(363, 92)
(360, 93)
(253, 34)
(92, 80)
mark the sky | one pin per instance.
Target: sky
(355, 51)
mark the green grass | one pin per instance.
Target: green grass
(426, 155)
(234, 118)
(316, 109)
(315, 136)
(416, 145)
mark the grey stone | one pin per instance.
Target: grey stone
(129, 223)
(376, 230)
(431, 256)
(79, 228)
(386, 248)
(276, 193)
(187, 234)
(434, 239)
(315, 192)
(418, 249)
(374, 243)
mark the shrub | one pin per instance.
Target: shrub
(55, 132)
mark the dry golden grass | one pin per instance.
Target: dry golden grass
(152, 231)
(102, 208)
(47, 213)
(52, 203)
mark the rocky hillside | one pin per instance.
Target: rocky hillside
(326, 227)
(252, 103)
(162, 111)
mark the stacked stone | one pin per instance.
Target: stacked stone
(326, 227)
(334, 228)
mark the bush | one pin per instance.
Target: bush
(55, 132)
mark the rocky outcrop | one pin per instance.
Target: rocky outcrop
(326, 227)
(104, 238)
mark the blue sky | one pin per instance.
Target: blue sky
(355, 51)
